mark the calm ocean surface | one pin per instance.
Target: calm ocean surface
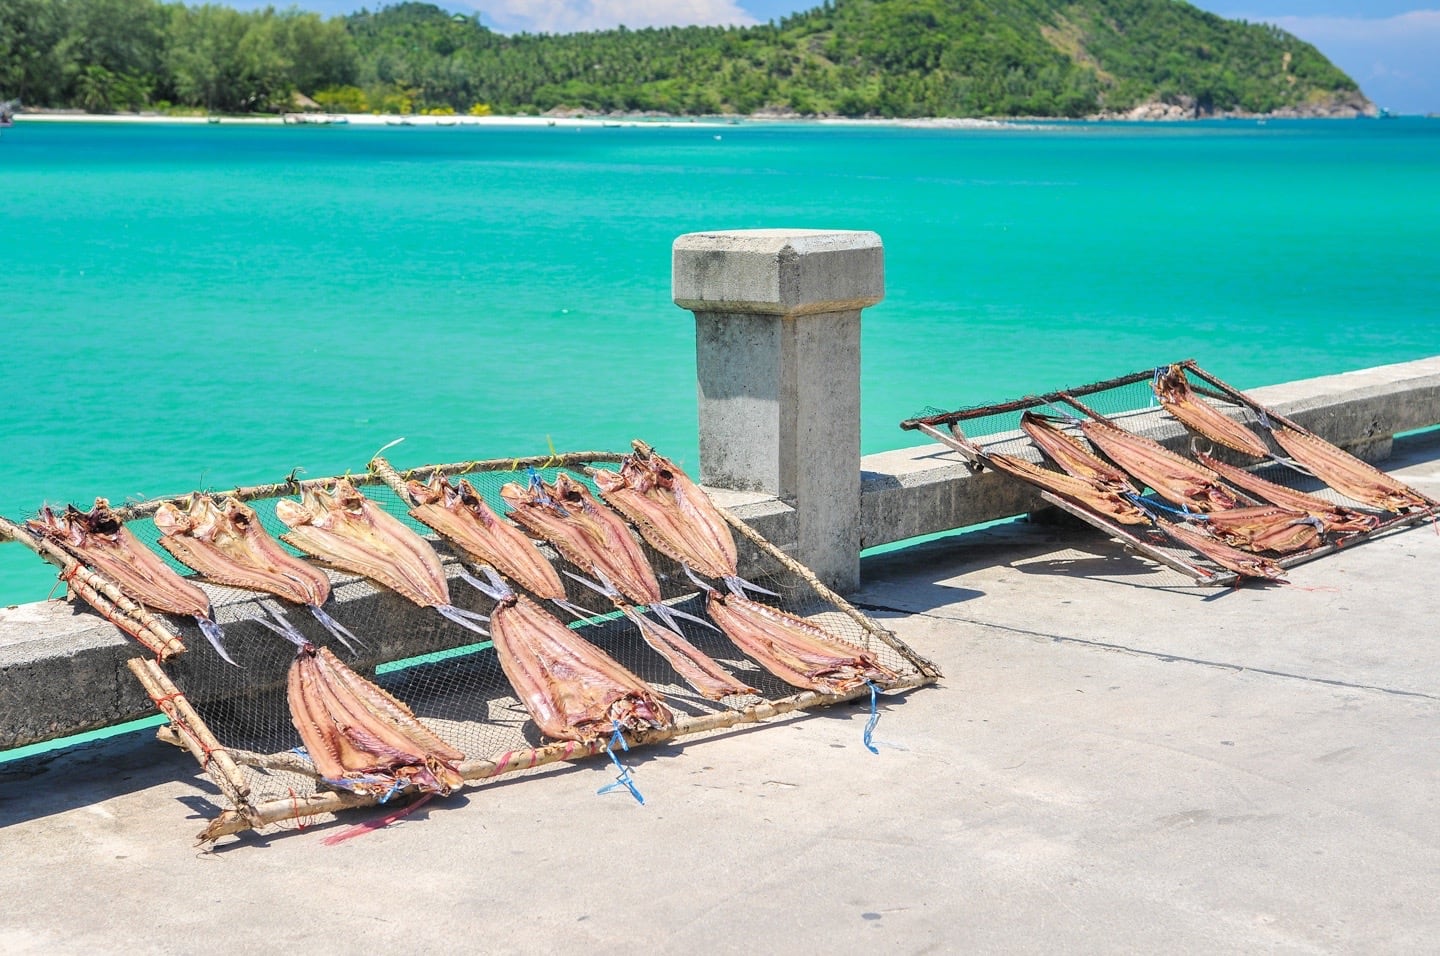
(212, 306)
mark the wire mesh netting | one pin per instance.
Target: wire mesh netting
(1132, 404)
(449, 675)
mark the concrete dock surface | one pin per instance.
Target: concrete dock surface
(1116, 761)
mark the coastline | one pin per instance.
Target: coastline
(1139, 117)
(603, 120)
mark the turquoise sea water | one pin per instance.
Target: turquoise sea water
(212, 306)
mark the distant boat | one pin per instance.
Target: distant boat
(7, 113)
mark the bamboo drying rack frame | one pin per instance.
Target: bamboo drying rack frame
(223, 765)
(975, 458)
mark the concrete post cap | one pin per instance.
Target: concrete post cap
(785, 272)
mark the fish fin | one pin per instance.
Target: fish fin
(692, 576)
(495, 588)
(282, 627)
(605, 590)
(580, 613)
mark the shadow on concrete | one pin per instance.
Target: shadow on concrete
(88, 774)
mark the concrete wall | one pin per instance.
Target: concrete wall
(779, 314)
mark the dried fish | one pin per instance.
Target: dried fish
(1067, 452)
(1097, 496)
(572, 689)
(101, 541)
(1347, 474)
(460, 514)
(1241, 562)
(359, 737)
(1179, 399)
(343, 528)
(1335, 518)
(585, 532)
(792, 648)
(1174, 478)
(227, 544)
(1265, 528)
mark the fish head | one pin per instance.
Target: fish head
(171, 520)
(426, 493)
(516, 495)
(467, 497)
(347, 497)
(237, 515)
(294, 513)
(98, 520)
(609, 481)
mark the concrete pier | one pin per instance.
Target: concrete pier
(1111, 765)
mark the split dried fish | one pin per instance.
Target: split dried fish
(100, 540)
(1336, 519)
(793, 649)
(572, 689)
(1174, 478)
(1179, 399)
(227, 544)
(1071, 455)
(343, 528)
(671, 511)
(460, 515)
(1100, 497)
(1265, 528)
(359, 737)
(1242, 563)
(1347, 474)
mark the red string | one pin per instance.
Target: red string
(300, 823)
(206, 750)
(369, 826)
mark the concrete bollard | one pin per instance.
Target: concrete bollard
(777, 348)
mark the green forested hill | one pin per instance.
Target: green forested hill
(892, 58)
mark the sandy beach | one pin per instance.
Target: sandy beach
(371, 119)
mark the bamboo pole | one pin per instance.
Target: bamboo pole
(214, 759)
(514, 761)
(104, 595)
(386, 472)
(572, 459)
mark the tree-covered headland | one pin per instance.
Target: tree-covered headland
(888, 58)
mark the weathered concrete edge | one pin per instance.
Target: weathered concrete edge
(926, 489)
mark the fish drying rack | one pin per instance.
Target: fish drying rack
(1129, 403)
(236, 722)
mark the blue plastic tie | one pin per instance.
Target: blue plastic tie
(1153, 506)
(624, 779)
(874, 717)
(537, 485)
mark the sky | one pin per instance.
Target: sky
(1389, 47)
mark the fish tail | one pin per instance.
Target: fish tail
(215, 636)
(340, 631)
